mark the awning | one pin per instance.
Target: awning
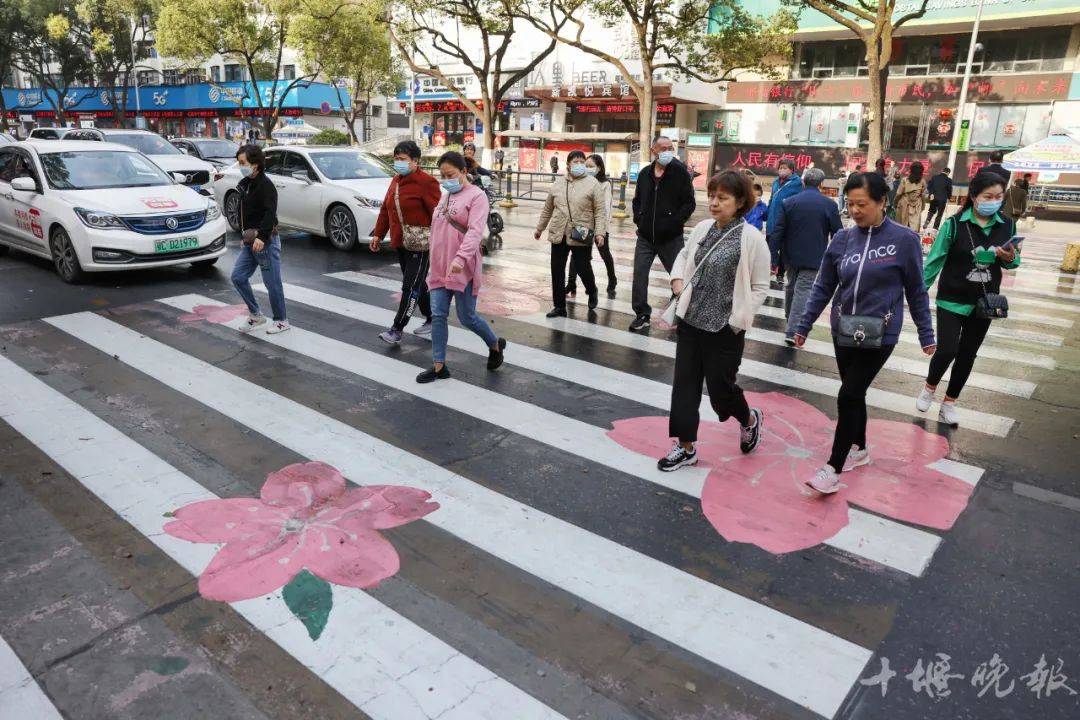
(557, 136)
(1057, 153)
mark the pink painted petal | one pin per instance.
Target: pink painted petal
(303, 485)
(251, 567)
(377, 507)
(359, 560)
(214, 313)
(217, 521)
(898, 484)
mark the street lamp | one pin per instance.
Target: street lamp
(972, 45)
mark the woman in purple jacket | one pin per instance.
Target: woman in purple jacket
(876, 264)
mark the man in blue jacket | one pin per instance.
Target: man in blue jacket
(801, 232)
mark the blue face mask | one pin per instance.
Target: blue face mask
(246, 170)
(592, 170)
(665, 157)
(451, 186)
(578, 169)
(401, 167)
(987, 209)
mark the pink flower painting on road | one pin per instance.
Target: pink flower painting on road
(214, 313)
(760, 498)
(306, 527)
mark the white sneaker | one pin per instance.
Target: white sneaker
(925, 399)
(424, 330)
(947, 414)
(856, 458)
(253, 322)
(279, 326)
(825, 481)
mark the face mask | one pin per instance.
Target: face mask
(246, 170)
(986, 209)
(451, 186)
(665, 157)
(784, 173)
(401, 167)
(592, 170)
(578, 170)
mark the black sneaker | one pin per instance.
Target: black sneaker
(571, 292)
(556, 312)
(495, 357)
(640, 323)
(611, 292)
(789, 340)
(431, 375)
(594, 300)
(751, 436)
(677, 458)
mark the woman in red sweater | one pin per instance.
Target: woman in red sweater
(406, 215)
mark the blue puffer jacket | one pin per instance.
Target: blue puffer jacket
(780, 193)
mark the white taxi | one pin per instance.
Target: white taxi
(94, 206)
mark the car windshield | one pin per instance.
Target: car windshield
(346, 165)
(96, 169)
(216, 148)
(147, 143)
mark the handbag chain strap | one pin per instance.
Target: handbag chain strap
(701, 264)
(397, 202)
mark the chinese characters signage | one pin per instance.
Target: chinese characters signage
(1000, 88)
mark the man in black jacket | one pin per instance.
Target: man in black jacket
(940, 189)
(663, 202)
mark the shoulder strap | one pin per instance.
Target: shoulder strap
(569, 212)
(701, 264)
(397, 202)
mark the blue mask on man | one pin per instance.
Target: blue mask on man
(578, 170)
(451, 186)
(665, 157)
(246, 170)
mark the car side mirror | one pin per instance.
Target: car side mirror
(179, 177)
(184, 150)
(24, 184)
(302, 176)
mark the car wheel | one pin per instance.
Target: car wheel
(341, 228)
(232, 209)
(204, 264)
(64, 258)
(3, 249)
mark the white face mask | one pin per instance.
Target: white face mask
(246, 170)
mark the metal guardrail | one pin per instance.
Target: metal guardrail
(514, 185)
(1049, 196)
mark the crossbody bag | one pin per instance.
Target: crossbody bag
(668, 315)
(861, 331)
(578, 233)
(415, 238)
(453, 223)
(991, 306)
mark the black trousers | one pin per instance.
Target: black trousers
(959, 338)
(609, 264)
(414, 291)
(858, 368)
(937, 210)
(644, 254)
(580, 258)
(711, 358)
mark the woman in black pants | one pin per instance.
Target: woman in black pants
(875, 264)
(594, 165)
(963, 277)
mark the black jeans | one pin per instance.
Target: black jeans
(644, 254)
(609, 263)
(712, 358)
(580, 258)
(414, 291)
(858, 368)
(959, 338)
(937, 209)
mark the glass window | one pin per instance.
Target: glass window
(234, 73)
(294, 162)
(819, 124)
(273, 163)
(838, 125)
(144, 142)
(984, 126)
(849, 56)
(348, 165)
(97, 169)
(215, 73)
(216, 148)
(800, 125)
(1010, 125)
(288, 72)
(905, 126)
(1000, 52)
(1036, 124)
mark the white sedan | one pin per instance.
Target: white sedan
(94, 206)
(330, 191)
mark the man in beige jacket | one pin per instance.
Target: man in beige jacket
(575, 216)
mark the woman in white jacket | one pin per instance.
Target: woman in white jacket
(721, 278)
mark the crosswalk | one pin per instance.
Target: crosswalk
(548, 512)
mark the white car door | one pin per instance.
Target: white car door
(275, 170)
(21, 220)
(305, 195)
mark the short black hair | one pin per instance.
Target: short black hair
(254, 155)
(997, 156)
(408, 147)
(601, 168)
(452, 158)
(575, 155)
(872, 182)
(786, 162)
(737, 184)
(983, 180)
(946, 170)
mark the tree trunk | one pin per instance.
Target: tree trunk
(876, 128)
(350, 126)
(645, 116)
(488, 138)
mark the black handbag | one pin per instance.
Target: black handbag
(991, 306)
(861, 331)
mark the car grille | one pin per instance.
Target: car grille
(195, 177)
(159, 224)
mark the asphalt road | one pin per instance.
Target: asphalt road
(561, 575)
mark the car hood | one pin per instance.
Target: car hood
(181, 162)
(374, 188)
(155, 200)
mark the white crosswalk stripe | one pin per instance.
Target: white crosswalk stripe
(760, 644)
(20, 696)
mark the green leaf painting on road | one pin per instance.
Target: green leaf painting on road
(310, 599)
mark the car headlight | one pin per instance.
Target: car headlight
(100, 220)
(366, 202)
(213, 212)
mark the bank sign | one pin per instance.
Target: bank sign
(937, 11)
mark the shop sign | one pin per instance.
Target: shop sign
(1042, 87)
(522, 103)
(965, 134)
(665, 114)
(764, 159)
(607, 108)
(699, 139)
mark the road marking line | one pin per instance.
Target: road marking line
(760, 644)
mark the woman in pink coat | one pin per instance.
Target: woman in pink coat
(457, 228)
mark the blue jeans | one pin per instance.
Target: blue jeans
(466, 313)
(800, 281)
(269, 261)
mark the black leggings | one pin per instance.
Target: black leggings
(414, 291)
(609, 263)
(580, 259)
(858, 368)
(959, 338)
(712, 358)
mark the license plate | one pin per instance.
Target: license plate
(197, 188)
(176, 244)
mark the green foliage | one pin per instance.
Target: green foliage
(329, 136)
